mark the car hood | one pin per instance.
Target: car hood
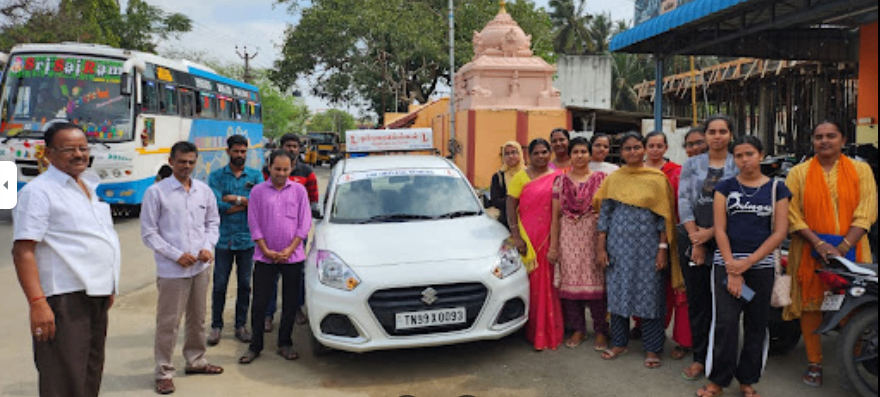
(412, 242)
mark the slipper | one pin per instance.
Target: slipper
(705, 392)
(609, 354)
(679, 352)
(288, 353)
(653, 362)
(572, 344)
(750, 393)
(164, 386)
(813, 376)
(687, 375)
(248, 357)
(601, 343)
(208, 369)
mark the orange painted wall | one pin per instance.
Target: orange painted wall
(494, 128)
(868, 73)
(541, 122)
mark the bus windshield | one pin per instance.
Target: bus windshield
(42, 88)
(322, 138)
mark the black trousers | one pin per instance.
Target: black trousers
(698, 282)
(722, 365)
(265, 276)
(71, 365)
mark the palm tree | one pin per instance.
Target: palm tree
(601, 29)
(629, 70)
(570, 22)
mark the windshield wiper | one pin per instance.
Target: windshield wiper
(94, 140)
(395, 217)
(458, 214)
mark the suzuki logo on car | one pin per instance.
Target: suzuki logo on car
(429, 296)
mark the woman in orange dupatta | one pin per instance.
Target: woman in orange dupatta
(834, 203)
(529, 212)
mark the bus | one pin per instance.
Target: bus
(133, 106)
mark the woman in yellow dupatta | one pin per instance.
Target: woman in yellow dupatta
(834, 203)
(636, 212)
(529, 213)
(512, 163)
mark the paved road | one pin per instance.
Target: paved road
(488, 369)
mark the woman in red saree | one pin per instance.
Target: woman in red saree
(529, 211)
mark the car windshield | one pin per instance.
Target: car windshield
(403, 196)
(41, 89)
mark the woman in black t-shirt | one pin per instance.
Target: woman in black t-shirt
(747, 230)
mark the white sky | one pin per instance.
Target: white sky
(221, 25)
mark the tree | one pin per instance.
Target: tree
(143, 24)
(570, 21)
(89, 21)
(282, 113)
(378, 50)
(333, 120)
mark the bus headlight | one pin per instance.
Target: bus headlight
(117, 173)
(508, 261)
(334, 273)
(103, 174)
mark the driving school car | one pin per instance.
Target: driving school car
(404, 256)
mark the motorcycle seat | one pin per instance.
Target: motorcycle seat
(870, 266)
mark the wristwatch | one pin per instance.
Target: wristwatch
(237, 200)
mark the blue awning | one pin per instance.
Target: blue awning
(684, 15)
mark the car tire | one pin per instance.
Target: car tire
(784, 335)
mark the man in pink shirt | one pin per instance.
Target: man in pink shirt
(280, 219)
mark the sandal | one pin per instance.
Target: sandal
(208, 369)
(679, 352)
(601, 343)
(575, 340)
(610, 354)
(164, 386)
(288, 353)
(692, 374)
(706, 392)
(750, 392)
(653, 362)
(248, 357)
(813, 376)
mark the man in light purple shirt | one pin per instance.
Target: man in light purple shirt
(280, 219)
(180, 223)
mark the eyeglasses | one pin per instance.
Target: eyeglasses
(694, 144)
(70, 150)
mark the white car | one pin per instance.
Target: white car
(403, 256)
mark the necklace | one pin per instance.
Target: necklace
(743, 189)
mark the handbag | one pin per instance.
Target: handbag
(782, 282)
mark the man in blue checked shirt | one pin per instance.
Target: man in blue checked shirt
(232, 186)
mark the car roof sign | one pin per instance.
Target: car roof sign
(402, 140)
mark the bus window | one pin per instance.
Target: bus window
(258, 114)
(168, 103)
(243, 114)
(187, 105)
(207, 106)
(226, 111)
(149, 97)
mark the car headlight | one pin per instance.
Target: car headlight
(334, 273)
(508, 261)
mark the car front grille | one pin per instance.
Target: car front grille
(387, 303)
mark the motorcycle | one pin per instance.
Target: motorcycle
(851, 307)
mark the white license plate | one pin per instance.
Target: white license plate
(832, 303)
(431, 318)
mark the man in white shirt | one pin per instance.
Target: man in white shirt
(67, 257)
(180, 223)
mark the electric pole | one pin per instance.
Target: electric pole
(247, 63)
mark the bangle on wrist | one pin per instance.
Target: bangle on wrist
(664, 246)
(36, 299)
(819, 244)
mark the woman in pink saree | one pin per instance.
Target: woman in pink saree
(529, 209)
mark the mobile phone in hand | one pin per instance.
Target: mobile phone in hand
(747, 293)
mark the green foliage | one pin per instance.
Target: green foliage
(143, 24)
(92, 21)
(333, 120)
(379, 50)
